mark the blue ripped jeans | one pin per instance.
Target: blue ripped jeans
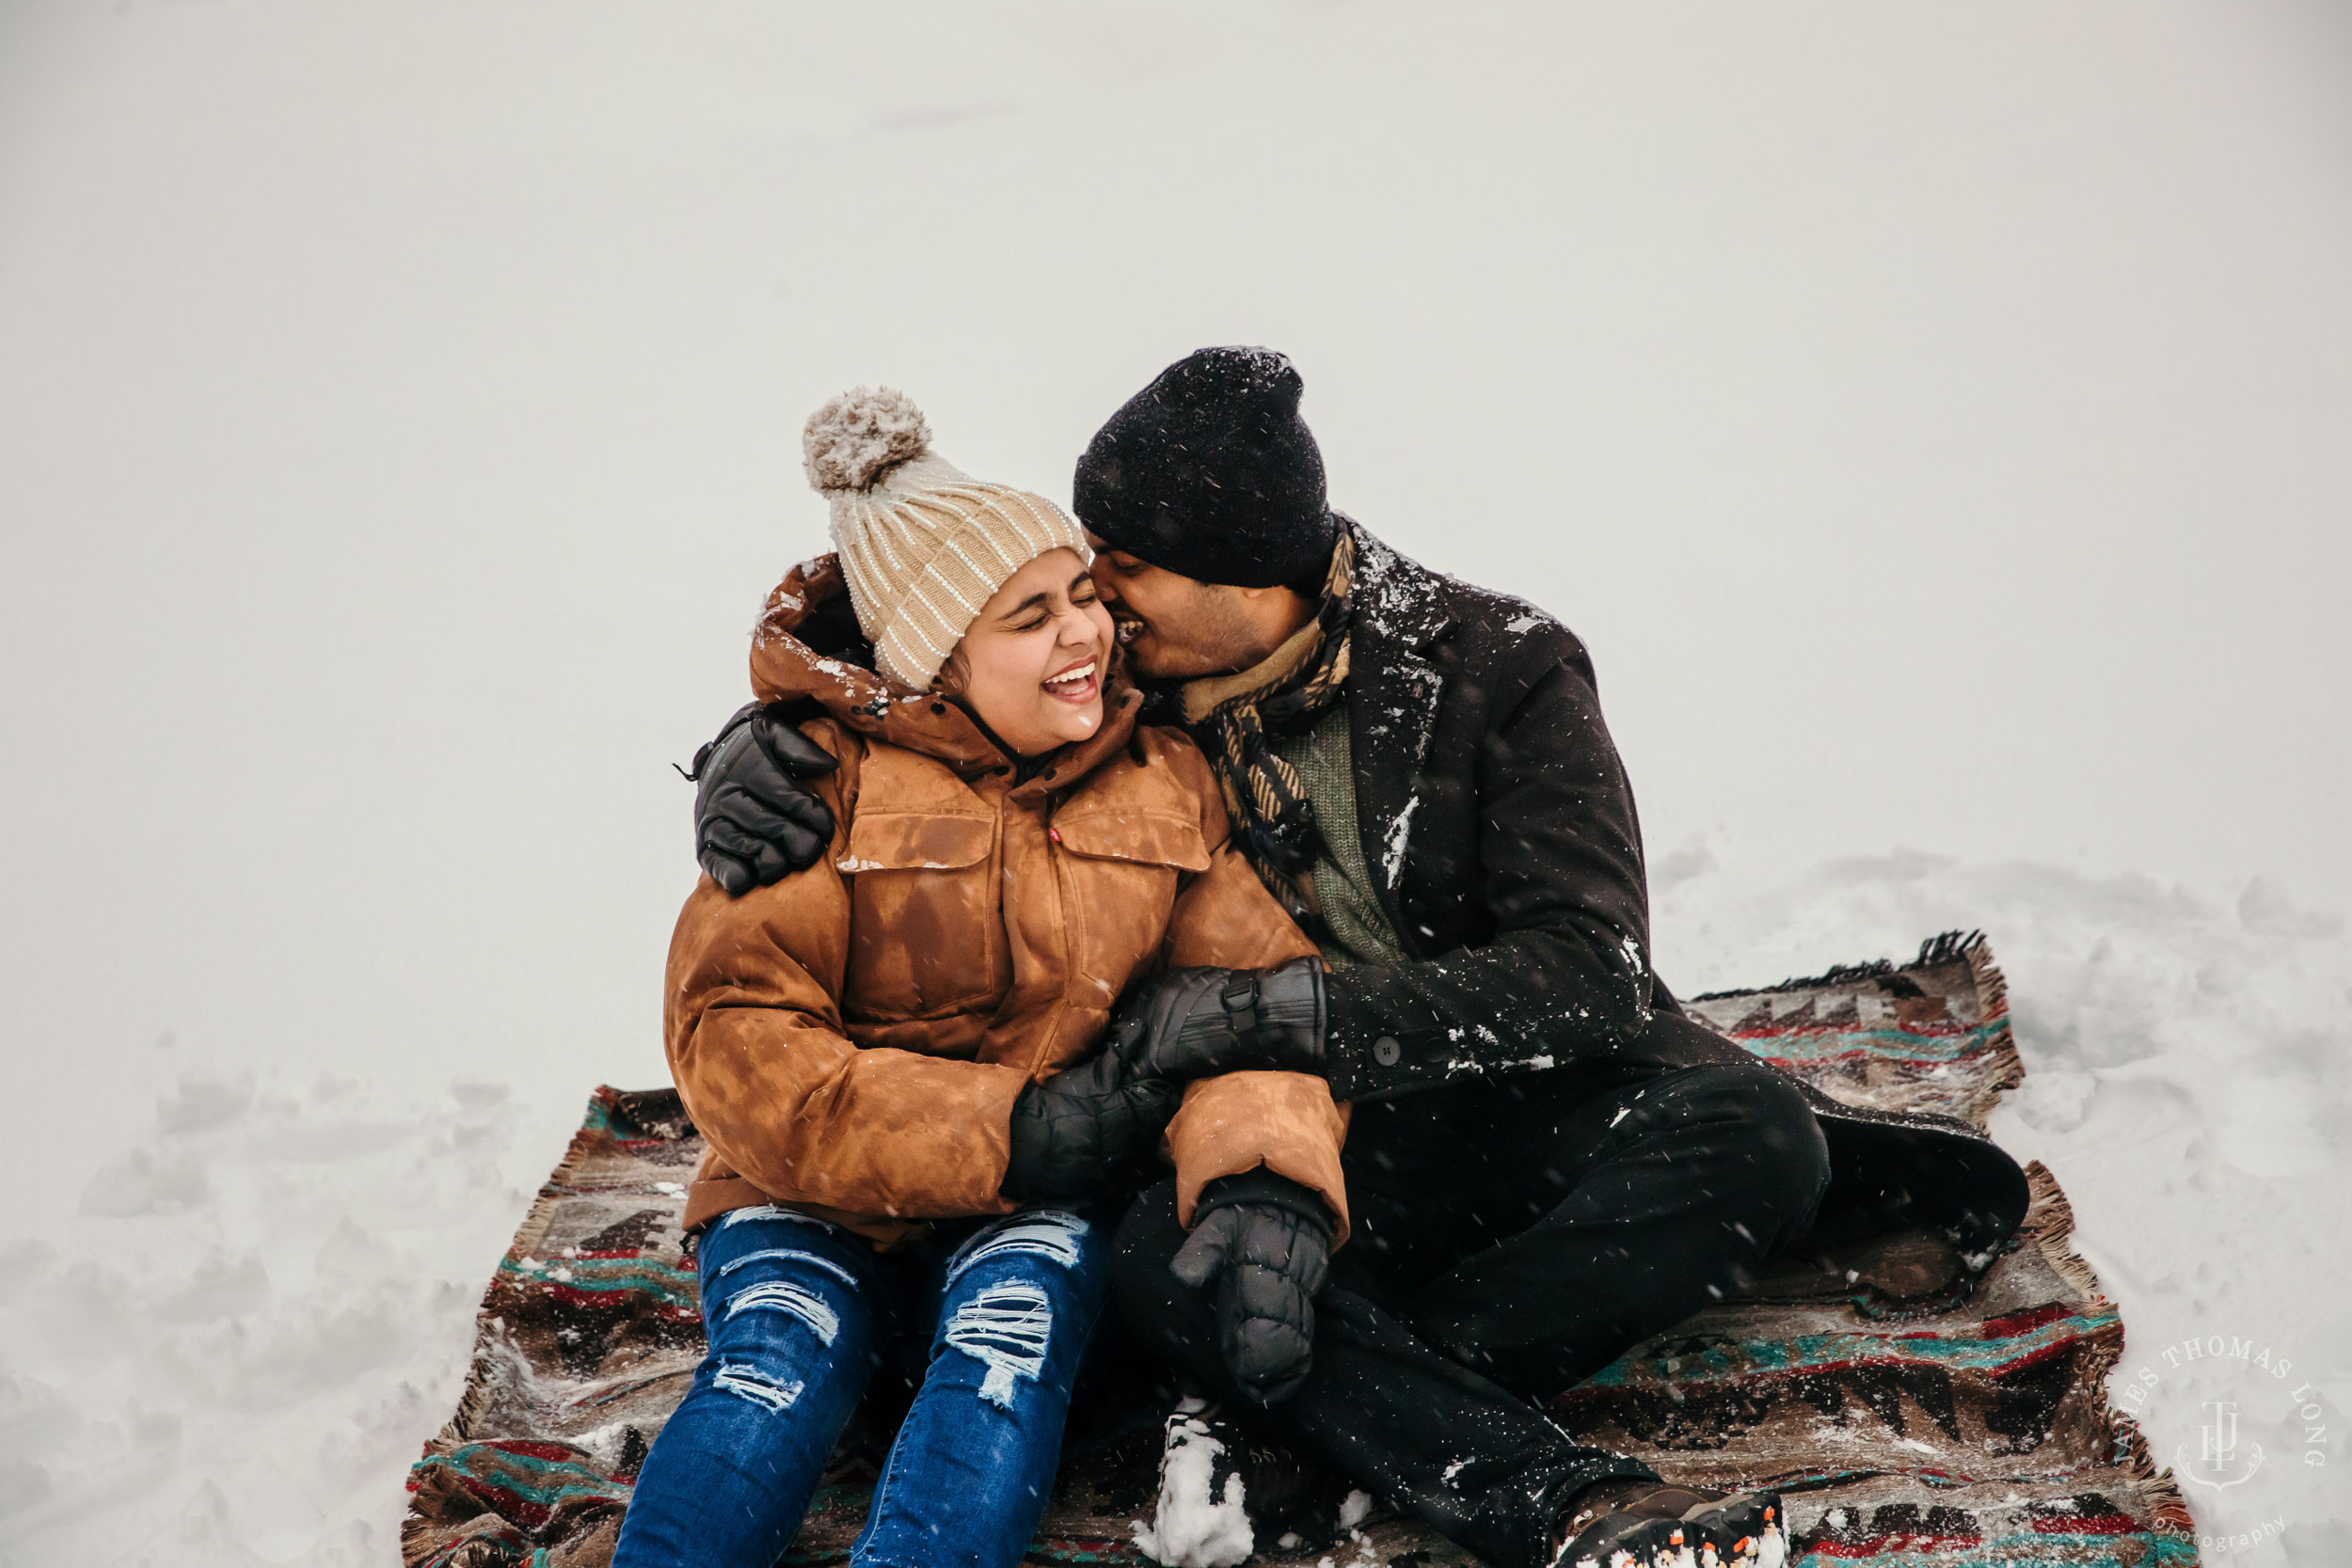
(797, 1313)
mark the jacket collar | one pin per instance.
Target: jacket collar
(1397, 686)
(1397, 600)
(785, 669)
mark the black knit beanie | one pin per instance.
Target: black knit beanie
(1211, 473)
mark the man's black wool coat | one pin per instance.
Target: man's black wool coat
(1502, 842)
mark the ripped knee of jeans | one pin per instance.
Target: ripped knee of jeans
(1053, 1233)
(772, 1394)
(1006, 1328)
(771, 1212)
(788, 1255)
(783, 1295)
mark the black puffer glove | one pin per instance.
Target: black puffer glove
(1075, 1133)
(1189, 1023)
(1266, 1240)
(755, 823)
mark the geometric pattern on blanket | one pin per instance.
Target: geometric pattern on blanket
(1920, 1433)
(1905, 1434)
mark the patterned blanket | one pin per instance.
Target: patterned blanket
(1965, 1427)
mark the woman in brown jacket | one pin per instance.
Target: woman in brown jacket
(897, 1058)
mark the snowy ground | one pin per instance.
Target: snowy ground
(1932, 418)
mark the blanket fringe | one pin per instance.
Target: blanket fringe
(2050, 1224)
(1837, 974)
(1992, 1006)
(1942, 948)
(2167, 1507)
(2050, 1221)
(1992, 985)
(476, 1396)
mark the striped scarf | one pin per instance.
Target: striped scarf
(1273, 819)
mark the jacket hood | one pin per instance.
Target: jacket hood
(807, 648)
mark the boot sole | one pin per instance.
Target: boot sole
(1740, 1532)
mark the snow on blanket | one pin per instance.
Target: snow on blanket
(1926, 1432)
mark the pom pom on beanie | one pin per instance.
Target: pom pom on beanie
(854, 439)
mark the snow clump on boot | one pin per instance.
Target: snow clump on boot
(1197, 1524)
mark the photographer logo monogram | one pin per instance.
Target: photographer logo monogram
(2220, 1458)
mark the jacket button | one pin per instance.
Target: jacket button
(1386, 1050)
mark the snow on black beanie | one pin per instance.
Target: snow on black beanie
(1211, 473)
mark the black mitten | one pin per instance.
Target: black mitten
(1188, 1024)
(1266, 1240)
(755, 821)
(1076, 1132)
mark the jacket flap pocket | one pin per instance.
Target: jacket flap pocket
(1144, 837)
(915, 841)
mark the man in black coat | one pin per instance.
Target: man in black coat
(1547, 1161)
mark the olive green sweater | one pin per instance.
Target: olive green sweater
(1325, 758)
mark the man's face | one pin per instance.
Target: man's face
(1176, 627)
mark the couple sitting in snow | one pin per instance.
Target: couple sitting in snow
(1202, 829)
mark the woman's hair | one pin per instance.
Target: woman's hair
(955, 673)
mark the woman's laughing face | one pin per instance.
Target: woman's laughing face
(1033, 663)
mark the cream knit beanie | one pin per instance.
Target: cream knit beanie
(923, 545)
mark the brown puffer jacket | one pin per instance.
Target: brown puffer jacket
(851, 1039)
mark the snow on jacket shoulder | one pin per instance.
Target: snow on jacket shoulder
(851, 1039)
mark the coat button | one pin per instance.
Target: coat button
(1386, 1050)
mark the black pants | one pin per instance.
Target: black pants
(1506, 1243)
